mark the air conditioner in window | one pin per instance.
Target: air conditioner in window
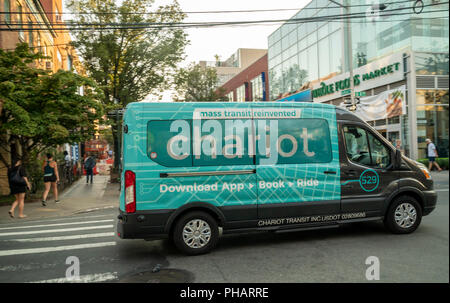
(58, 18)
(48, 65)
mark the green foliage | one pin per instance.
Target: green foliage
(442, 162)
(197, 83)
(129, 62)
(106, 134)
(42, 110)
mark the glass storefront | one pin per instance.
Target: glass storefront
(302, 52)
(299, 53)
(432, 121)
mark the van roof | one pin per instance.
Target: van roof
(214, 103)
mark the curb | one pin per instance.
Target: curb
(93, 209)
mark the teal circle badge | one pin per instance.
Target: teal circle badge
(369, 180)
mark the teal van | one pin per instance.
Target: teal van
(190, 169)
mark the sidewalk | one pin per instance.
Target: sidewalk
(79, 197)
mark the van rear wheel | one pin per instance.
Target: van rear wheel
(196, 233)
(404, 215)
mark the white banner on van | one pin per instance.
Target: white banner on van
(236, 113)
(387, 104)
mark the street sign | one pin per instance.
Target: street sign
(357, 94)
(346, 92)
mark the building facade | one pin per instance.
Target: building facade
(251, 84)
(236, 63)
(412, 45)
(40, 24)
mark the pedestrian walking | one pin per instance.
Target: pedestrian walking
(18, 184)
(51, 178)
(89, 165)
(432, 155)
(67, 160)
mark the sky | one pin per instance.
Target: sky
(205, 43)
(224, 41)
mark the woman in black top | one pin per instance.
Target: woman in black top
(18, 189)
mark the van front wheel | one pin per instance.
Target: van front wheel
(196, 233)
(404, 215)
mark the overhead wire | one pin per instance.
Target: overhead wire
(71, 26)
(208, 12)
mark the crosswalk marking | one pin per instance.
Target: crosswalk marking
(25, 251)
(67, 219)
(15, 233)
(58, 224)
(108, 276)
(62, 238)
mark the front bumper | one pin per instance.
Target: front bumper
(430, 199)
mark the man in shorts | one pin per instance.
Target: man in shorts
(432, 155)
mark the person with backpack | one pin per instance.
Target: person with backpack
(89, 165)
(18, 184)
(51, 178)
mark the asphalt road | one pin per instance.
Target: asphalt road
(37, 251)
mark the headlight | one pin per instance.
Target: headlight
(424, 170)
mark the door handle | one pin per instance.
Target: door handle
(350, 172)
(330, 172)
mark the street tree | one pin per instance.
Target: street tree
(42, 110)
(126, 50)
(198, 83)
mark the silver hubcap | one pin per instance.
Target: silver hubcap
(196, 233)
(405, 215)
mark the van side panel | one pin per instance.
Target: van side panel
(307, 183)
(176, 183)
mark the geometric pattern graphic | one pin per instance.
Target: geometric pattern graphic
(223, 190)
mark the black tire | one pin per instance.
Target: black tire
(178, 239)
(390, 218)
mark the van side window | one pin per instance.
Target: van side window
(364, 148)
(169, 142)
(223, 142)
(300, 141)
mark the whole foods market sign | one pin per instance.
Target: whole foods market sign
(381, 72)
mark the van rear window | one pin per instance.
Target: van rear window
(168, 142)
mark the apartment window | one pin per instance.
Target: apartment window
(58, 55)
(20, 20)
(7, 9)
(69, 62)
(30, 35)
(230, 97)
(240, 93)
(257, 88)
(39, 45)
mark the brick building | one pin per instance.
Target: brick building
(18, 23)
(236, 63)
(251, 84)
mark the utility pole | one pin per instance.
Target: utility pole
(349, 48)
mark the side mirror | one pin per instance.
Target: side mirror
(397, 159)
